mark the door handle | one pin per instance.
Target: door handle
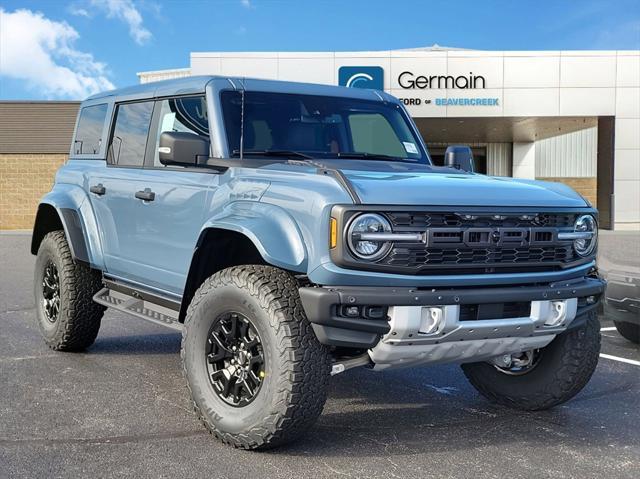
(146, 195)
(98, 189)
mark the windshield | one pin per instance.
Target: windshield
(320, 126)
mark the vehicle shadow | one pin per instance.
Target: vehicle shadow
(434, 410)
(132, 345)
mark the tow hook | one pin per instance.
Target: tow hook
(342, 365)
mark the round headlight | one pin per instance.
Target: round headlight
(369, 249)
(586, 224)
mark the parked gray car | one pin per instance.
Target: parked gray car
(294, 231)
(619, 260)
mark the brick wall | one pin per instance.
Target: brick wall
(587, 187)
(24, 179)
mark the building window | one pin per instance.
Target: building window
(89, 131)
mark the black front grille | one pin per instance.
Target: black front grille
(417, 255)
(481, 243)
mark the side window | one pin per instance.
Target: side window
(372, 133)
(186, 114)
(89, 132)
(129, 140)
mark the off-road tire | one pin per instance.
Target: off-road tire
(628, 331)
(297, 366)
(564, 368)
(78, 320)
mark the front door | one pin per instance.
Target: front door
(170, 224)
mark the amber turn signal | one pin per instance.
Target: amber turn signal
(333, 234)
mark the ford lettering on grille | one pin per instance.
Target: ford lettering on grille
(489, 237)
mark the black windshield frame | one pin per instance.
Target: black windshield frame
(328, 121)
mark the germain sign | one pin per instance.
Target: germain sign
(409, 80)
(373, 77)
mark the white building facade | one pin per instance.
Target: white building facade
(570, 116)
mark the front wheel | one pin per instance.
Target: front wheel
(543, 378)
(257, 374)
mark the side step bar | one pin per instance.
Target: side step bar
(141, 305)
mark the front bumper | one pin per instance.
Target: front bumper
(323, 305)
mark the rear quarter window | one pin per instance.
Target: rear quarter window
(89, 131)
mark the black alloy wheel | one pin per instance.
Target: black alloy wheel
(235, 359)
(51, 292)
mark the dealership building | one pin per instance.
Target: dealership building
(568, 116)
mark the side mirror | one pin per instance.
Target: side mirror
(459, 157)
(183, 149)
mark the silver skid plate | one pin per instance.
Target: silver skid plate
(456, 341)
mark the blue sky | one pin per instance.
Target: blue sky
(66, 49)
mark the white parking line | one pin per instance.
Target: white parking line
(612, 328)
(622, 360)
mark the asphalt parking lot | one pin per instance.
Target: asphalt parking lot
(121, 409)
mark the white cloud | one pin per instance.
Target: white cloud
(41, 52)
(246, 3)
(79, 11)
(126, 11)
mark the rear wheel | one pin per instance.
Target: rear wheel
(256, 372)
(543, 378)
(628, 331)
(67, 316)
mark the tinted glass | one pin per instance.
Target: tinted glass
(89, 131)
(182, 114)
(129, 140)
(372, 133)
(320, 126)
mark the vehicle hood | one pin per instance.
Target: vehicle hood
(400, 183)
(455, 189)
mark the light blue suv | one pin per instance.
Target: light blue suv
(294, 231)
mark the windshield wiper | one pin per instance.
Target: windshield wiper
(372, 156)
(281, 153)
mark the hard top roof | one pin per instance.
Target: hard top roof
(197, 84)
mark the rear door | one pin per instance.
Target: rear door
(112, 190)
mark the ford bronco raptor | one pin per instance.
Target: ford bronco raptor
(294, 231)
